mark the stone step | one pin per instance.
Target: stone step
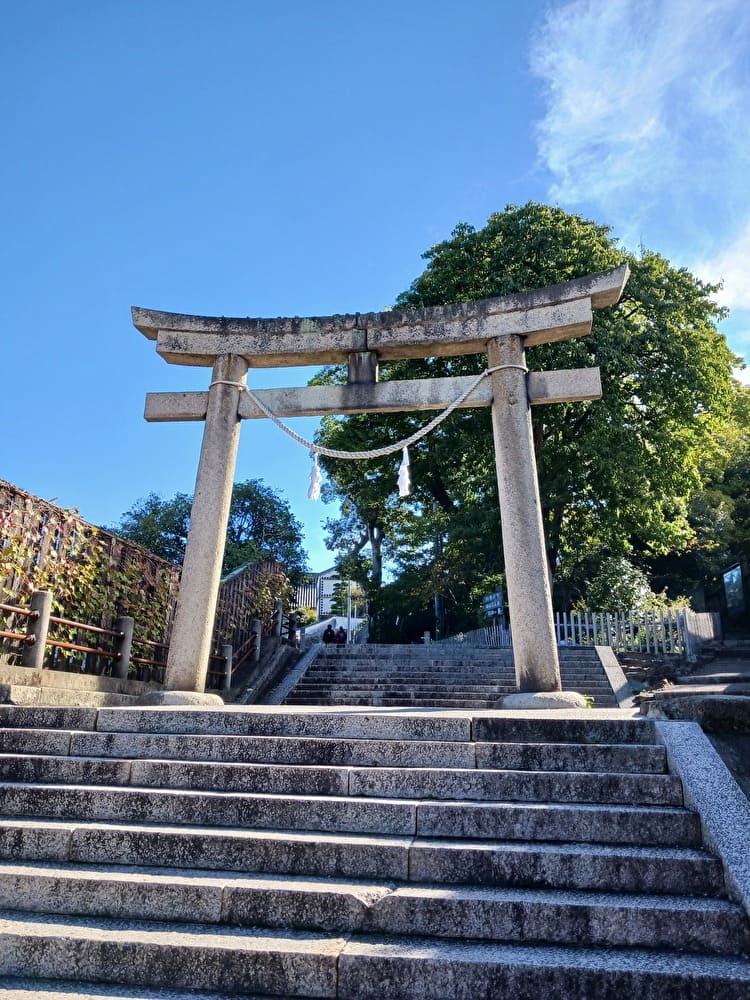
(18, 988)
(340, 723)
(304, 964)
(186, 956)
(514, 728)
(423, 969)
(266, 721)
(648, 825)
(495, 914)
(369, 700)
(632, 824)
(467, 679)
(516, 786)
(370, 782)
(444, 692)
(617, 758)
(326, 752)
(375, 700)
(307, 750)
(611, 868)
(210, 809)
(338, 855)
(458, 686)
(571, 918)
(44, 717)
(190, 895)
(457, 664)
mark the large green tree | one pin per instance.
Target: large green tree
(261, 524)
(616, 475)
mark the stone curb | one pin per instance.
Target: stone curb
(710, 789)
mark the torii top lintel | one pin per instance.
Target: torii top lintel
(542, 315)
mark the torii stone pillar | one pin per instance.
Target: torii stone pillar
(503, 327)
(190, 646)
(529, 594)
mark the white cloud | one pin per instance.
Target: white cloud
(646, 110)
(731, 266)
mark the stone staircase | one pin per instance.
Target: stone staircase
(376, 855)
(436, 675)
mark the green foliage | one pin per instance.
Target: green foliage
(306, 616)
(161, 526)
(261, 525)
(340, 598)
(619, 586)
(719, 513)
(617, 475)
(93, 577)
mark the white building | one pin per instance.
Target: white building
(317, 591)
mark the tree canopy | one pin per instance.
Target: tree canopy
(261, 525)
(617, 475)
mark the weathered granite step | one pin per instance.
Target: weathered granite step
(446, 682)
(19, 988)
(349, 814)
(551, 917)
(190, 895)
(371, 782)
(197, 956)
(459, 668)
(605, 867)
(615, 868)
(326, 752)
(516, 786)
(338, 855)
(330, 693)
(375, 700)
(287, 750)
(417, 969)
(316, 965)
(340, 723)
(495, 914)
(449, 688)
(650, 825)
(540, 728)
(572, 757)
(210, 809)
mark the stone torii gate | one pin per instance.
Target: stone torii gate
(503, 327)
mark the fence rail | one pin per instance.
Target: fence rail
(674, 632)
(46, 548)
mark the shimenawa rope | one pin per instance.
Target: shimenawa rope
(404, 478)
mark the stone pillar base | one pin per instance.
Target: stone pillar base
(543, 699)
(177, 698)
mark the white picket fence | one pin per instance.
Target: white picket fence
(675, 632)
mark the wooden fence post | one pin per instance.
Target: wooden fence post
(38, 626)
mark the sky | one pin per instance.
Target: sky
(246, 158)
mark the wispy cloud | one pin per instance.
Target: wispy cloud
(646, 105)
(647, 125)
(730, 266)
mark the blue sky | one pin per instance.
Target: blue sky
(296, 158)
